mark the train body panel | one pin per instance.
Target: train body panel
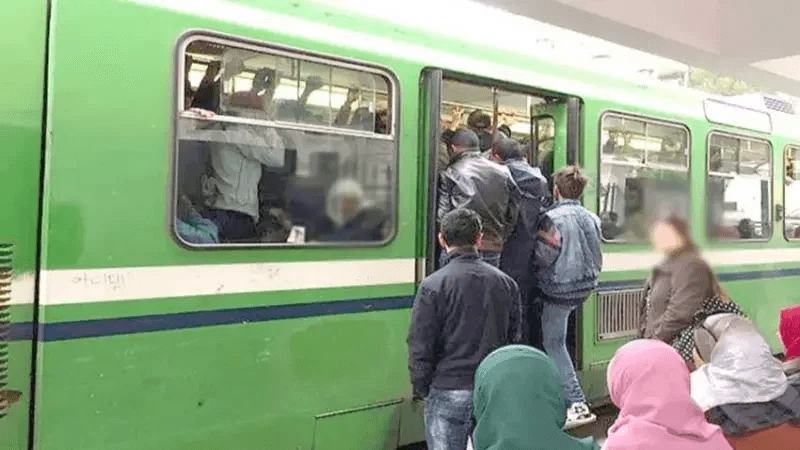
(147, 342)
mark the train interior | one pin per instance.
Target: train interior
(330, 155)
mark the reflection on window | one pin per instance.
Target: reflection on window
(644, 170)
(279, 149)
(792, 193)
(739, 172)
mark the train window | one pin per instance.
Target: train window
(644, 168)
(282, 148)
(792, 193)
(739, 177)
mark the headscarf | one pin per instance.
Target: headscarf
(790, 331)
(649, 382)
(342, 189)
(519, 403)
(739, 366)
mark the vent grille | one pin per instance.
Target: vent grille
(779, 105)
(5, 299)
(618, 313)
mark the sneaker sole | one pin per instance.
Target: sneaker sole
(580, 422)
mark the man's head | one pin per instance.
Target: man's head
(464, 141)
(505, 129)
(479, 120)
(505, 149)
(570, 182)
(460, 228)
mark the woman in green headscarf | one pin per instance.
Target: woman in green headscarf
(519, 403)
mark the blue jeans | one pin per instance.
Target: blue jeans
(554, 341)
(448, 419)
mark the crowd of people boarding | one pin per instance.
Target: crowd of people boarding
(487, 341)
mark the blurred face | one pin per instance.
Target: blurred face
(348, 208)
(664, 238)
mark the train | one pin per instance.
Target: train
(126, 325)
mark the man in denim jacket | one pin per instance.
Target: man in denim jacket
(569, 279)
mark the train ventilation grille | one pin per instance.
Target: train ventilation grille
(5, 322)
(618, 313)
(779, 105)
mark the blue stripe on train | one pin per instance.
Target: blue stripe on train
(161, 322)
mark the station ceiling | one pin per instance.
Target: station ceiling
(751, 40)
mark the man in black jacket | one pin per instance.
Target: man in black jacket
(519, 255)
(472, 181)
(462, 312)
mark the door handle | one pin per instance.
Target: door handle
(778, 212)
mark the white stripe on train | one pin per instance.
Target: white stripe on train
(73, 286)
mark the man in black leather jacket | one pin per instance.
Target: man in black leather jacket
(473, 182)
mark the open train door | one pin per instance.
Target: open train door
(546, 121)
(23, 27)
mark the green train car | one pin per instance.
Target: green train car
(126, 326)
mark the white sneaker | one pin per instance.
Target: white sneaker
(577, 415)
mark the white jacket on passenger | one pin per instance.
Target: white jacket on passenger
(237, 165)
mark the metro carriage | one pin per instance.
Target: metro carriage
(122, 333)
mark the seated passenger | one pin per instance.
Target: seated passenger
(649, 382)
(352, 220)
(191, 226)
(742, 387)
(519, 403)
(789, 332)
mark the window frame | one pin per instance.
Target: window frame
(786, 149)
(244, 43)
(645, 118)
(770, 151)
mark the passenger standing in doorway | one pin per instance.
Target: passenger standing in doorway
(568, 281)
(518, 257)
(481, 123)
(462, 312)
(472, 181)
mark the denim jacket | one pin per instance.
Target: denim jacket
(573, 274)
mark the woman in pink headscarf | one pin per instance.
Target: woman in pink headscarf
(789, 331)
(649, 382)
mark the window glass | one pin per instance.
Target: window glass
(274, 148)
(792, 193)
(739, 172)
(644, 170)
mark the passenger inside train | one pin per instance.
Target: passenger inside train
(247, 162)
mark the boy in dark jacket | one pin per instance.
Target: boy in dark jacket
(568, 281)
(462, 312)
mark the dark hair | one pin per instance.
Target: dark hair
(506, 148)
(681, 228)
(505, 129)
(570, 181)
(465, 140)
(461, 227)
(479, 120)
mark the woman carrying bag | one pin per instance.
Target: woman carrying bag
(682, 291)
